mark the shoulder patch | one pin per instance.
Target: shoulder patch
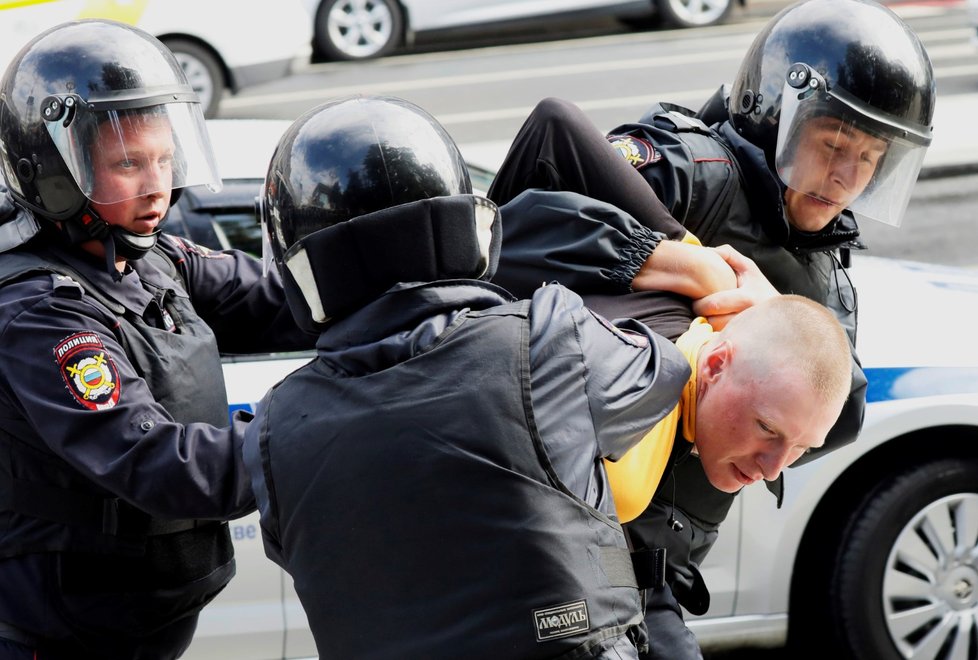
(88, 371)
(190, 247)
(637, 151)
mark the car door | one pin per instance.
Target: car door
(429, 15)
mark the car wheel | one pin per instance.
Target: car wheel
(357, 29)
(694, 13)
(203, 71)
(905, 585)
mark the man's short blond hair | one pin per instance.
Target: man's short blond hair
(793, 332)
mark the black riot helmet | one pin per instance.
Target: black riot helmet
(854, 61)
(363, 193)
(72, 103)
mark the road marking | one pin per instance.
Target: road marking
(554, 71)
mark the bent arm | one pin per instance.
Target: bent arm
(688, 269)
(592, 247)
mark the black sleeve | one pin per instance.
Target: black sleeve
(586, 245)
(246, 309)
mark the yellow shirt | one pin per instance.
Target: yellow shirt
(636, 475)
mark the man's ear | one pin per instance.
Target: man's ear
(715, 361)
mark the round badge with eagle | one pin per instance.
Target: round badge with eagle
(635, 150)
(88, 371)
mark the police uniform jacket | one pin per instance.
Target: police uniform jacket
(115, 448)
(433, 480)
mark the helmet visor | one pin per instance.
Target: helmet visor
(119, 154)
(840, 155)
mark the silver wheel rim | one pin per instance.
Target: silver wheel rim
(198, 76)
(698, 12)
(930, 588)
(360, 28)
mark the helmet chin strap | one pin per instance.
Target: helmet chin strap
(116, 241)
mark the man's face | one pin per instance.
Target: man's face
(136, 169)
(833, 164)
(751, 425)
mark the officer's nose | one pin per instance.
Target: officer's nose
(844, 170)
(156, 179)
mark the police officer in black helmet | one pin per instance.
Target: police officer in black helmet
(423, 506)
(827, 123)
(116, 460)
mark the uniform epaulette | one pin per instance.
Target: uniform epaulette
(66, 287)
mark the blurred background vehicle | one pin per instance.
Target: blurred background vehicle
(363, 29)
(221, 44)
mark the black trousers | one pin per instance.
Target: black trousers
(559, 148)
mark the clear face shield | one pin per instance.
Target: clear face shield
(118, 148)
(837, 152)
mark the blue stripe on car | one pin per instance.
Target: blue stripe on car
(893, 383)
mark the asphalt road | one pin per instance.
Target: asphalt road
(482, 93)
(941, 225)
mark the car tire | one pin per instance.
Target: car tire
(357, 29)
(204, 73)
(905, 583)
(694, 13)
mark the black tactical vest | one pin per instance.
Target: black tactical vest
(182, 370)
(420, 516)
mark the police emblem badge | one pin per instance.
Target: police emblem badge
(635, 150)
(88, 371)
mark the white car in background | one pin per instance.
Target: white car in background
(221, 44)
(362, 29)
(874, 553)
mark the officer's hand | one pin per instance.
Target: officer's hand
(690, 270)
(752, 288)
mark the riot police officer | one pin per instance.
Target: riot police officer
(117, 463)
(827, 122)
(432, 480)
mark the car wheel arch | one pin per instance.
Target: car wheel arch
(402, 34)
(834, 517)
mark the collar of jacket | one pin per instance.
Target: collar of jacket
(841, 232)
(407, 320)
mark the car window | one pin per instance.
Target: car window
(221, 220)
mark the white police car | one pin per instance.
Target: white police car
(874, 553)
